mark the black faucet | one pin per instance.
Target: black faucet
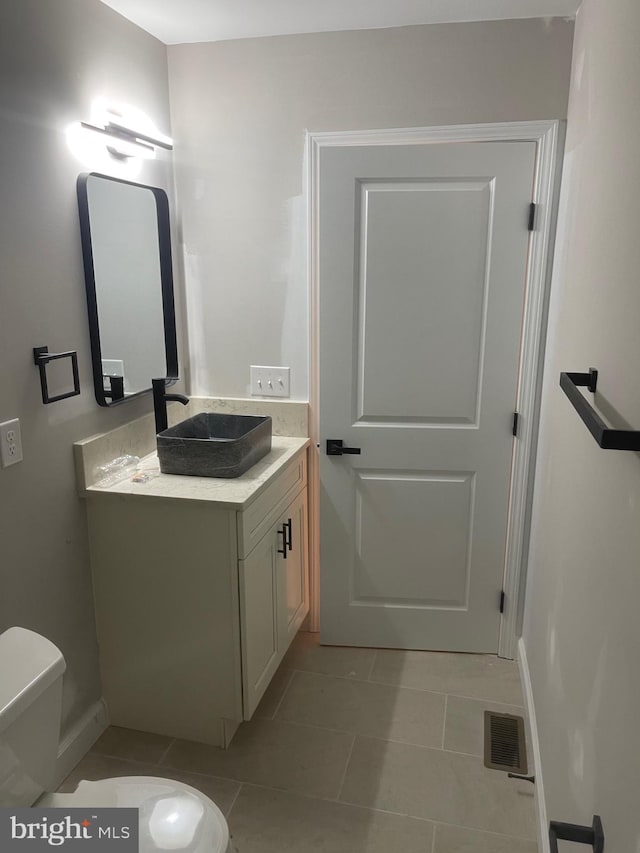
(116, 386)
(160, 399)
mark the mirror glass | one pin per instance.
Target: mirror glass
(127, 261)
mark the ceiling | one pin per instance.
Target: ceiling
(177, 21)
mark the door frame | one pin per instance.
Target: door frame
(549, 139)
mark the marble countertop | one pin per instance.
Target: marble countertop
(234, 493)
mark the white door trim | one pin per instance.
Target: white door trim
(548, 136)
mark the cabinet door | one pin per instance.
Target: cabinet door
(293, 575)
(274, 599)
(259, 619)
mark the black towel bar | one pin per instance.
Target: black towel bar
(607, 438)
(41, 358)
(593, 834)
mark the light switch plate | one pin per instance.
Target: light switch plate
(10, 443)
(269, 381)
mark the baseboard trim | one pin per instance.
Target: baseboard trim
(80, 738)
(541, 807)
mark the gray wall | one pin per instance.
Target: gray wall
(55, 58)
(582, 631)
(239, 113)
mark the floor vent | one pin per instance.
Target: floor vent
(504, 742)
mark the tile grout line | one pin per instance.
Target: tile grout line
(233, 801)
(433, 842)
(289, 722)
(439, 692)
(243, 783)
(351, 679)
(111, 757)
(115, 758)
(333, 801)
(396, 741)
(438, 823)
(284, 693)
(444, 720)
(297, 723)
(209, 776)
(484, 699)
(434, 822)
(168, 767)
(165, 753)
(373, 664)
(346, 768)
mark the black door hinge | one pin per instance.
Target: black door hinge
(532, 216)
(502, 600)
(514, 426)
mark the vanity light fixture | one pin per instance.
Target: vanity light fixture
(122, 139)
(121, 146)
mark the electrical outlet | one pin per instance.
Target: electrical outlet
(269, 381)
(10, 443)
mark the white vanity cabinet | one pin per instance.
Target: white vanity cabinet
(197, 600)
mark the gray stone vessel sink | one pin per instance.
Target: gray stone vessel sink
(214, 445)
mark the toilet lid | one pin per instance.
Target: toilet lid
(172, 816)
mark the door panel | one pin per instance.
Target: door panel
(422, 270)
(424, 292)
(425, 516)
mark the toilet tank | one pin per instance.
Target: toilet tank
(31, 671)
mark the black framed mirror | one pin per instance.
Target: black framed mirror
(126, 248)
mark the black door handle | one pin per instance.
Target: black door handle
(283, 533)
(336, 448)
(288, 541)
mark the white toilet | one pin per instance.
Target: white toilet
(172, 816)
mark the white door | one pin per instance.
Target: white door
(422, 266)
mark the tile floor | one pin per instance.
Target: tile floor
(353, 751)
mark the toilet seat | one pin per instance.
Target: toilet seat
(172, 816)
